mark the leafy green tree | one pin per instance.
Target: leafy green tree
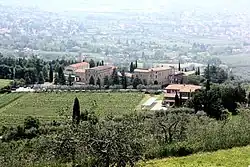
(45, 73)
(76, 112)
(92, 80)
(215, 74)
(40, 78)
(70, 80)
(51, 74)
(106, 81)
(137, 81)
(91, 63)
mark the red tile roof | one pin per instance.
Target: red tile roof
(80, 71)
(77, 65)
(183, 88)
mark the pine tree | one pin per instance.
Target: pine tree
(41, 78)
(115, 77)
(92, 80)
(76, 112)
(50, 74)
(91, 63)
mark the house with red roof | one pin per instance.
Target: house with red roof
(77, 71)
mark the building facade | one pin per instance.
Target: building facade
(77, 71)
(182, 90)
(98, 72)
(156, 76)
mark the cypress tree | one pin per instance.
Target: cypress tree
(198, 71)
(124, 80)
(98, 82)
(92, 80)
(179, 68)
(62, 80)
(115, 78)
(76, 112)
(131, 67)
(176, 100)
(50, 74)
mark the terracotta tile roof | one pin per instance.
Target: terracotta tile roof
(151, 69)
(183, 88)
(102, 68)
(77, 65)
(80, 71)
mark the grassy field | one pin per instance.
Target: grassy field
(4, 82)
(237, 157)
(15, 107)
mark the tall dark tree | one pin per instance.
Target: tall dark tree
(91, 63)
(131, 67)
(98, 82)
(61, 76)
(179, 67)
(176, 100)
(50, 73)
(92, 80)
(124, 80)
(102, 63)
(56, 80)
(198, 71)
(208, 85)
(136, 64)
(76, 112)
(115, 77)
(207, 72)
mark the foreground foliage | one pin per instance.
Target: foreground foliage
(236, 157)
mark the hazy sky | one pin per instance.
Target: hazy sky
(142, 5)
